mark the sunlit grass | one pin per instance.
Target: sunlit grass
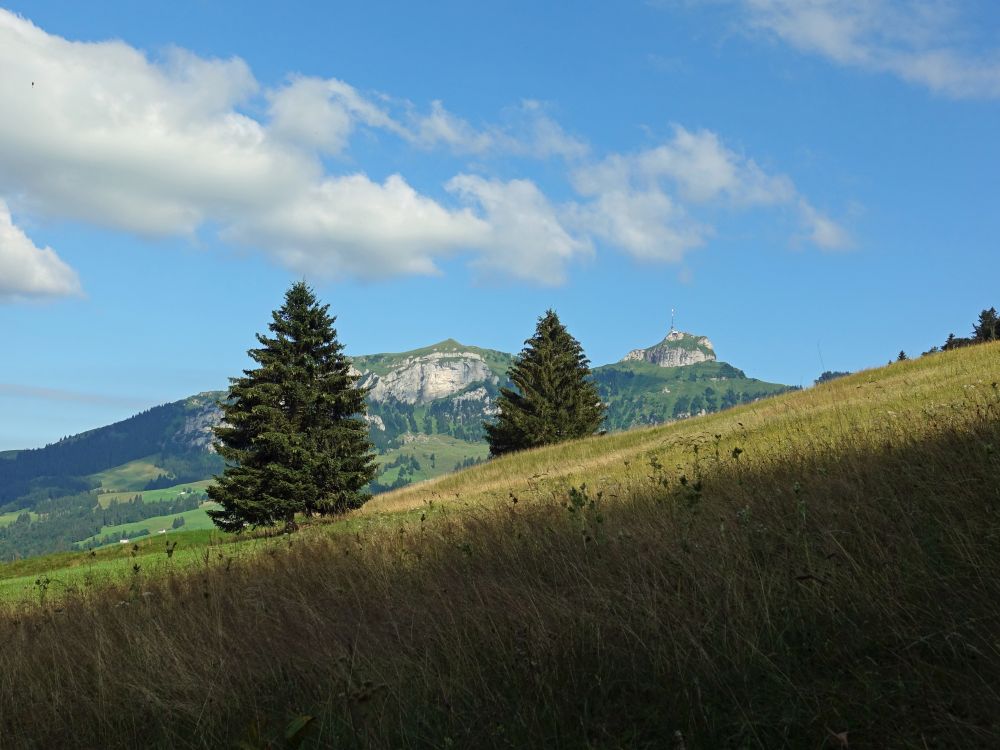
(820, 566)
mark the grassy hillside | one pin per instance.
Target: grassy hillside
(817, 570)
(155, 496)
(133, 475)
(857, 410)
(425, 457)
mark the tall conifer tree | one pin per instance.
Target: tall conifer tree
(555, 398)
(987, 328)
(294, 436)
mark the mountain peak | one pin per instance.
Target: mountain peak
(677, 349)
(447, 344)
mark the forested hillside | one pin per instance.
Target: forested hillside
(640, 393)
(177, 433)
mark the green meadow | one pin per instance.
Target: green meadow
(7, 518)
(132, 476)
(153, 496)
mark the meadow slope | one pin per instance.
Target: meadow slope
(821, 569)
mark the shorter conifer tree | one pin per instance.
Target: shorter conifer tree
(554, 400)
(293, 433)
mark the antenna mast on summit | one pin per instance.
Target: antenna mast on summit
(673, 314)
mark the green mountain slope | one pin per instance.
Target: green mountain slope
(176, 434)
(640, 393)
(425, 412)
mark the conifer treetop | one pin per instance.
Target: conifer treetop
(555, 398)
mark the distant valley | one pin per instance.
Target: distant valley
(425, 414)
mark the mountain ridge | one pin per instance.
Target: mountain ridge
(426, 407)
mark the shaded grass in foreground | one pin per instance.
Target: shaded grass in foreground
(849, 585)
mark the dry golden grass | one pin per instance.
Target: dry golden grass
(818, 567)
(912, 392)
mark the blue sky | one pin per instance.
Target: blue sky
(811, 183)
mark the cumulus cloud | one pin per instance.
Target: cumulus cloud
(354, 226)
(441, 127)
(924, 42)
(27, 271)
(642, 202)
(705, 169)
(628, 208)
(648, 224)
(104, 134)
(820, 230)
(525, 236)
(323, 113)
(100, 133)
(527, 131)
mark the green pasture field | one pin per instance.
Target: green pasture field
(448, 454)
(129, 477)
(153, 496)
(194, 520)
(9, 518)
(198, 543)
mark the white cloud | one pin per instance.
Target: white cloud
(821, 230)
(354, 226)
(441, 127)
(648, 224)
(705, 169)
(628, 208)
(526, 131)
(100, 133)
(323, 113)
(27, 271)
(525, 235)
(541, 136)
(632, 203)
(924, 42)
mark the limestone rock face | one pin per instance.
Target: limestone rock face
(196, 431)
(678, 349)
(427, 377)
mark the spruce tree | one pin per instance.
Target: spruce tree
(293, 433)
(987, 328)
(554, 400)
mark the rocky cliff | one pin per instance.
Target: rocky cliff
(678, 349)
(201, 415)
(428, 377)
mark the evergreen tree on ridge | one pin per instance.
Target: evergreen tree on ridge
(293, 433)
(554, 400)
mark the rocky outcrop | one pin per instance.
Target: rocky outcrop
(428, 377)
(202, 415)
(678, 349)
(479, 397)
